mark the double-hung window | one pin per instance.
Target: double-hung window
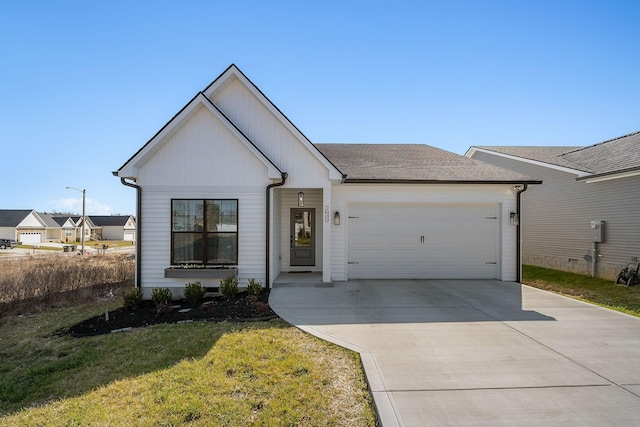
(204, 232)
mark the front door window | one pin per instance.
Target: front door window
(302, 238)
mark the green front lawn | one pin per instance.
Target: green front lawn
(603, 292)
(200, 374)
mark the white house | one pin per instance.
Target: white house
(229, 181)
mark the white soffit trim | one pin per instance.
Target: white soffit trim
(233, 71)
(577, 172)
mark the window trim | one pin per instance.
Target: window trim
(204, 233)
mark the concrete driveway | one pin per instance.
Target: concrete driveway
(481, 352)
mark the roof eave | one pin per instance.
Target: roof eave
(623, 173)
(437, 181)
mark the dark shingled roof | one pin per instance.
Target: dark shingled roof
(615, 155)
(411, 162)
(109, 220)
(13, 217)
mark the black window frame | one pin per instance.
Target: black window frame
(205, 234)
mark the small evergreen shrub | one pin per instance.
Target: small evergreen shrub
(132, 298)
(194, 292)
(254, 287)
(229, 287)
(161, 297)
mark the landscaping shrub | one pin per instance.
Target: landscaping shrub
(161, 297)
(229, 287)
(254, 287)
(194, 292)
(132, 298)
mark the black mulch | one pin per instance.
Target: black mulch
(241, 308)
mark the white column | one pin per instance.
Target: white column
(326, 233)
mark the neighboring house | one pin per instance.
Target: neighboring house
(115, 227)
(599, 182)
(10, 219)
(30, 227)
(68, 228)
(26, 225)
(91, 231)
(230, 181)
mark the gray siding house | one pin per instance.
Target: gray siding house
(599, 182)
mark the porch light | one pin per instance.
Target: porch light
(301, 199)
(513, 218)
(336, 218)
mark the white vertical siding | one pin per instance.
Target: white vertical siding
(156, 232)
(203, 152)
(271, 136)
(276, 241)
(339, 238)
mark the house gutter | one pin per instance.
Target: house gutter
(518, 233)
(268, 228)
(138, 229)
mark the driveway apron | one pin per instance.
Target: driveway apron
(481, 352)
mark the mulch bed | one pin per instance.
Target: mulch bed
(240, 309)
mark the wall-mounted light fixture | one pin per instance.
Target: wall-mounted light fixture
(336, 218)
(513, 218)
(300, 199)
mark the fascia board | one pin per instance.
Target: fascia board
(35, 215)
(233, 71)
(577, 172)
(272, 170)
(609, 176)
(131, 168)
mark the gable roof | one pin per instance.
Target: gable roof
(13, 217)
(233, 72)
(110, 220)
(612, 157)
(168, 130)
(413, 163)
(204, 98)
(63, 220)
(48, 220)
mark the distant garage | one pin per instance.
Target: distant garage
(424, 241)
(30, 238)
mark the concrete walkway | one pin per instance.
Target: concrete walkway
(445, 352)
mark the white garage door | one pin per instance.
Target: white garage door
(423, 241)
(30, 238)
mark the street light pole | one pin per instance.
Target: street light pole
(84, 217)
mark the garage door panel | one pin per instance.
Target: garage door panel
(423, 241)
(30, 238)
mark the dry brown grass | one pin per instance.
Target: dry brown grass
(32, 283)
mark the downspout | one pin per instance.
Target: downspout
(138, 230)
(268, 228)
(519, 233)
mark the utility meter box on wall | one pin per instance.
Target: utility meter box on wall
(597, 231)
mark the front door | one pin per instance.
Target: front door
(302, 237)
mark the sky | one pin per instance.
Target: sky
(85, 84)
